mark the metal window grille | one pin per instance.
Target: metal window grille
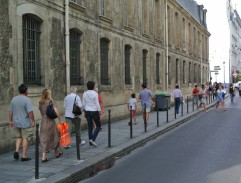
(127, 65)
(169, 70)
(31, 51)
(102, 7)
(75, 75)
(183, 72)
(157, 68)
(104, 71)
(195, 78)
(189, 73)
(125, 12)
(144, 66)
(177, 71)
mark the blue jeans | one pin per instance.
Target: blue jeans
(93, 116)
(177, 104)
(231, 96)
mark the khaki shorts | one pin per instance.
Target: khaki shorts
(23, 132)
(148, 109)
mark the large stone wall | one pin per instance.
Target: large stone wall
(92, 27)
(57, 59)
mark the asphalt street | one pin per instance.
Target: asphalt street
(207, 149)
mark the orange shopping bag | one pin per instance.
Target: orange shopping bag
(64, 136)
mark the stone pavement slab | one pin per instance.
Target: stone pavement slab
(68, 169)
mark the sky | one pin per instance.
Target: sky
(219, 40)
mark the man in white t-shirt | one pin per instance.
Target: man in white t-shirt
(69, 116)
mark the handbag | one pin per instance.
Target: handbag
(50, 112)
(76, 109)
(64, 135)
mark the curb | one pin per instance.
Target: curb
(107, 159)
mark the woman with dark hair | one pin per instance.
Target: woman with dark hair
(219, 98)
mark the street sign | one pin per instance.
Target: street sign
(217, 68)
(235, 74)
(216, 73)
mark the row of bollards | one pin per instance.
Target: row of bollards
(77, 142)
(210, 100)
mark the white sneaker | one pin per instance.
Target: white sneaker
(93, 143)
(82, 143)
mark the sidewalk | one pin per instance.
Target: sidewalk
(68, 169)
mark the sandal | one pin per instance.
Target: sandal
(25, 159)
(60, 153)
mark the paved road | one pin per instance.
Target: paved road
(205, 150)
(68, 169)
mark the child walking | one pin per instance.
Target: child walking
(132, 106)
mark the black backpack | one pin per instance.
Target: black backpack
(50, 112)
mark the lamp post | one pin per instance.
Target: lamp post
(224, 73)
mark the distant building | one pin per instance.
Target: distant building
(235, 41)
(119, 44)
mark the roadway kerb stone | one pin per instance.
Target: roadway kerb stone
(85, 169)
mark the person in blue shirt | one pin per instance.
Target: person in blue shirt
(146, 96)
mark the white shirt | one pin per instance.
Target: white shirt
(132, 102)
(69, 102)
(90, 101)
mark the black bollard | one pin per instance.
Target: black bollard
(37, 153)
(209, 97)
(157, 115)
(131, 122)
(175, 111)
(167, 108)
(77, 136)
(193, 104)
(187, 104)
(109, 130)
(182, 106)
(145, 123)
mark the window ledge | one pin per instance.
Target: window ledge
(159, 41)
(158, 86)
(105, 87)
(128, 87)
(129, 28)
(145, 35)
(105, 19)
(34, 91)
(76, 6)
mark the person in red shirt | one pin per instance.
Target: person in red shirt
(195, 92)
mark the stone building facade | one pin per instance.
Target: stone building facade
(118, 44)
(234, 21)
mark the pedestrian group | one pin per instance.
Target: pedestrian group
(22, 119)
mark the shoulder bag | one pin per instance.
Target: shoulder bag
(76, 109)
(50, 112)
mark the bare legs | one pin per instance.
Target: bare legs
(24, 143)
(147, 117)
